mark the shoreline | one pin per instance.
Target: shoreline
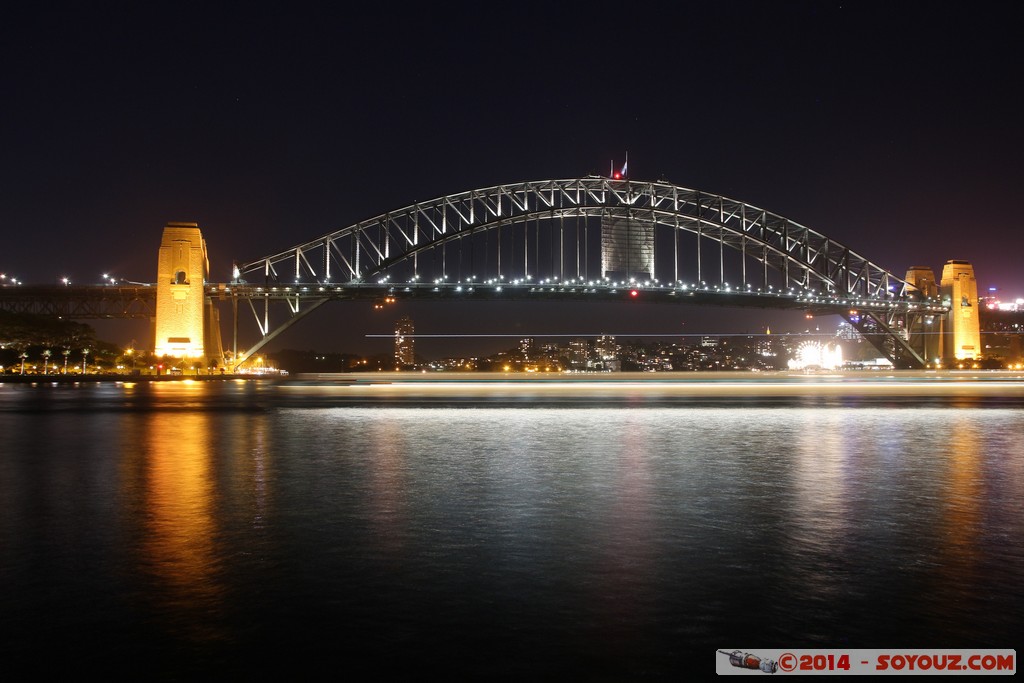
(79, 379)
(652, 378)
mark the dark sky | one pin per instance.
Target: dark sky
(894, 128)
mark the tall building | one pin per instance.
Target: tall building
(579, 353)
(607, 352)
(526, 347)
(606, 347)
(405, 355)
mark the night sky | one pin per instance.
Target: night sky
(894, 128)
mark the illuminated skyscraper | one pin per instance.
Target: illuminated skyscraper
(405, 355)
(527, 347)
(606, 348)
(579, 353)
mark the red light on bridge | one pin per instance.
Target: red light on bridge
(633, 293)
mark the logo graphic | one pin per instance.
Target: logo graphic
(745, 660)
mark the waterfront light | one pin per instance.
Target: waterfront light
(812, 355)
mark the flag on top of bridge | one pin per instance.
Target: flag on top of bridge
(620, 174)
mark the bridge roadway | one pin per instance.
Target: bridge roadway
(571, 291)
(872, 317)
(80, 302)
(83, 302)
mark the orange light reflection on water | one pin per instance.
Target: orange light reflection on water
(179, 548)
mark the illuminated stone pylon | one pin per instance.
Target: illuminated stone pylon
(181, 305)
(925, 332)
(961, 333)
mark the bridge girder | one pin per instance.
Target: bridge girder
(373, 248)
(80, 302)
(770, 257)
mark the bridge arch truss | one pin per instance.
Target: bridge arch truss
(545, 230)
(549, 234)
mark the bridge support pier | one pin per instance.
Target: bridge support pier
(187, 325)
(961, 326)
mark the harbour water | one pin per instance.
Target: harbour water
(590, 530)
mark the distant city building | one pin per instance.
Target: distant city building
(606, 348)
(551, 349)
(848, 332)
(994, 303)
(526, 347)
(579, 352)
(404, 343)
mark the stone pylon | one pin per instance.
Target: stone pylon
(185, 322)
(961, 333)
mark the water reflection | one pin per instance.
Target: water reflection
(960, 522)
(179, 549)
(822, 475)
(560, 537)
(388, 482)
(622, 602)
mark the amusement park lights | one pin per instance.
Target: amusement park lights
(813, 355)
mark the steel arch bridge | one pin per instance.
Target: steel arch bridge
(562, 239)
